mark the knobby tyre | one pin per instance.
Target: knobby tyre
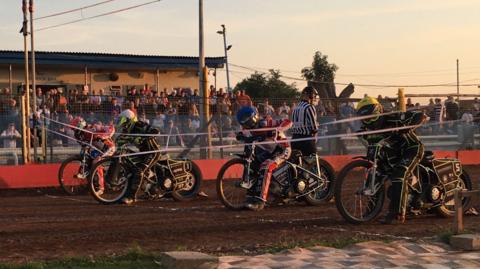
(349, 186)
(194, 182)
(448, 208)
(116, 180)
(325, 192)
(72, 175)
(229, 177)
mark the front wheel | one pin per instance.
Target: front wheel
(352, 198)
(72, 175)
(324, 186)
(192, 186)
(109, 180)
(229, 191)
(447, 209)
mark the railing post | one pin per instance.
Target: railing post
(458, 222)
(44, 140)
(402, 105)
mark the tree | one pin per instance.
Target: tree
(261, 85)
(321, 75)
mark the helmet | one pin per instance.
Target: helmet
(310, 91)
(247, 116)
(369, 106)
(125, 120)
(78, 122)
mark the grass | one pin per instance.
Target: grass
(134, 258)
(337, 243)
(445, 235)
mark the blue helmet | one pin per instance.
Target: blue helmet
(247, 116)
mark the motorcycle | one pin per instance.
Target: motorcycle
(73, 172)
(360, 189)
(180, 178)
(306, 178)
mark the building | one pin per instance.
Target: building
(114, 73)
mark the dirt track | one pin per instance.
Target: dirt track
(44, 226)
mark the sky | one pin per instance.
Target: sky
(394, 42)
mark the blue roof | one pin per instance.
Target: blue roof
(110, 60)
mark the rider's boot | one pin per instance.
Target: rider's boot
(255, 204)
(393, 215)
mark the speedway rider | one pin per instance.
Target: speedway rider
(275, 153)
(402, 147)
(100, 137)
(131, 131)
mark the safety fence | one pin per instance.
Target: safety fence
(180, 123)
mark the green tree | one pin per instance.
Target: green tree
(321, 75)
(261, 85)
(321, 69)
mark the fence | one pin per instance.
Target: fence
(178, 117)
(458, 195)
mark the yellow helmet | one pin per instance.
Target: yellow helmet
(369, 106)
(125, 120)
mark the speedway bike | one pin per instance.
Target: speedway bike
(74, 171)
(180, 178)
(362, 185)
(307, 178)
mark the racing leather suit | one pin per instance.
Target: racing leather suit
(278, 150)
(145, 144)
(402, 149)
(100, 137)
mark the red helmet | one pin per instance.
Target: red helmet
(78, 122)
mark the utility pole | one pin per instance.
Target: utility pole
(226, 48)
(34, 84)
(26, 115)
(203, 87)
(458, 81)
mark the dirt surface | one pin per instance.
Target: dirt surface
(46, 225)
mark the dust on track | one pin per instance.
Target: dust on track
(47, 225)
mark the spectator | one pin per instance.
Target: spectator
(174, 138)
(243, 99)
(452, 108)
(268, 109)
(159, 120)
(438, 115)
(284, 111)
(409, 103)
(143, 117)
(10, 137)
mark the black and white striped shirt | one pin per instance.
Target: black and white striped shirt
(304, 118)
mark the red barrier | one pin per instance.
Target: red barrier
(45, 175)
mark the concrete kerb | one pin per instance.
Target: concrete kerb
(187, 260)
(466, 241)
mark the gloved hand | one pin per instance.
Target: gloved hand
(239, 136)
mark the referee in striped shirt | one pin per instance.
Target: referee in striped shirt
(305, 125)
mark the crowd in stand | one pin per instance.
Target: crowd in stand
(176, 111)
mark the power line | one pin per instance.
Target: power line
(73, 10)
(450, 84)
(98, 16)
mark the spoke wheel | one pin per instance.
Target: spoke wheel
(352, 201)
(229, 191)
(72, 175)
(448, 207)
(109, 181)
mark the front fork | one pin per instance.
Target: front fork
(369, 188)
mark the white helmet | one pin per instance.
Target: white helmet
(126, 119)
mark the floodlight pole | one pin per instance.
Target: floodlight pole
(26, 115)
(203, 88)
(34, 84)
(224, 33)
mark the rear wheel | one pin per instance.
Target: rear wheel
(324, 187)
(109, 180)
(190, 191)
(351, 198)
(229, 191)
(72, 175)
(447, 209)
